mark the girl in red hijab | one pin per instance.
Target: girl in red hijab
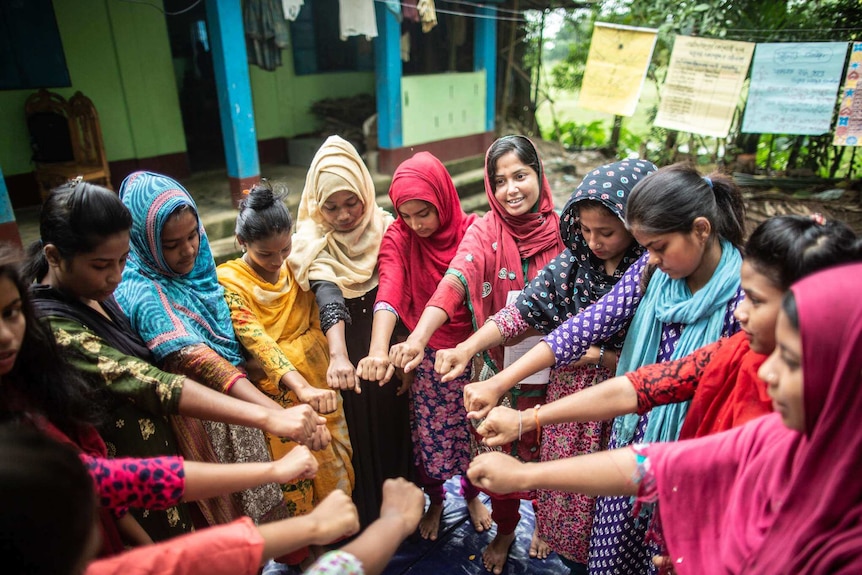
(414, 254)
(781, 494)
(499, 254)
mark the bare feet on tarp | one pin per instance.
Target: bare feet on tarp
(539, 548)
(429, 525)
(497, 552)
(479, 515)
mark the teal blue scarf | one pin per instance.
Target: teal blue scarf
(670, 301)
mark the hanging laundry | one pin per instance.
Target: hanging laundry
(408, 9)
(291, 8)
(405, 46)
(357, 18)
(427, 14)
(266, 32)
(394, 6)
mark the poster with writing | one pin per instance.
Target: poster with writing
(848, 131)
(703, 85)
(616, 68)
(793, 87)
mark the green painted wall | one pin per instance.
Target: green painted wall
(118, 55)
(442, 106)
(282, 100)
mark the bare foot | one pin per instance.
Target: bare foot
(497, 552)
(538, 547)
(479, 515)
(429, 525)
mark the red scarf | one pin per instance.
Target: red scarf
(410, 267)
(729, 393)
(490, 259)
(762, 498)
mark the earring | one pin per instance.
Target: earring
(242, 249)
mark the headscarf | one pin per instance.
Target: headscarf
(490, 274)
(410, 266)
(170, 311)
(576, 277)
(729, 392)
(767, 499)
(347, 259)
(669, 301)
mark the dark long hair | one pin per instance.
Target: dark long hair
(48, 502)
(673, 197)
(523, 149)
(76, 217)
(787, 248)
(41, 378)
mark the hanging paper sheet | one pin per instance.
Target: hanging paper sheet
(616, 67)
(793, 87)
(848, 132)
(703, 84)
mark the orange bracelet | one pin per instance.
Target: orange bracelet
(536, 420)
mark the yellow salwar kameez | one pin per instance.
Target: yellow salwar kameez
(278, 325)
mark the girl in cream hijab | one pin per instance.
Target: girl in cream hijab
(338, 233)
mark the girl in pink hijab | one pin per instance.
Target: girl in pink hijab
(781, 494)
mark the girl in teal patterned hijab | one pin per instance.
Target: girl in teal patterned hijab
(169, 289)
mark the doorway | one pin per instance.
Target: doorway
(191, 52)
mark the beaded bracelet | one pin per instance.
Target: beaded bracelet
(601, 357)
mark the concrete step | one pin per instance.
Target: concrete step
(468, 175)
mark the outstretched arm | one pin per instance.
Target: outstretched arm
(400, 512)
(408, 354)
(297, 423)
(376, 366)
(481, 397)
(451, 363)
(606, 400)
(603, 473)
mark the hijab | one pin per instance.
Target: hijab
(410, 266)
(763, 498)
(498, 249)
(347, 259)
(576, 277)
(170, 311)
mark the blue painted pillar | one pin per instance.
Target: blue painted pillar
(8, 226)
(227, 37)
(387, 67)
(485, 58)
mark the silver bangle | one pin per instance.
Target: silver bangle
(520, 425)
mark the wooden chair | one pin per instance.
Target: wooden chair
(66, 139)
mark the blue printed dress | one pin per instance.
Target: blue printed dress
(618, 540)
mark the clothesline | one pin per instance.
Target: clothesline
(465, 14)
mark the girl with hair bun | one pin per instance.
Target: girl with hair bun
(278, 324)
(74, 269)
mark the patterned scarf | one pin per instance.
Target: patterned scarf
(170, 311)
(576, 278)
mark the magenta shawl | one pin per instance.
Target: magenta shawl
(766, 499)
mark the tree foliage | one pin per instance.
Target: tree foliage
(746, 20)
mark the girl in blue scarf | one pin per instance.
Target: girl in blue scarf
(679, 296)
(174, 302)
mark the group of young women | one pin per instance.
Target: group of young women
(378, 343)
